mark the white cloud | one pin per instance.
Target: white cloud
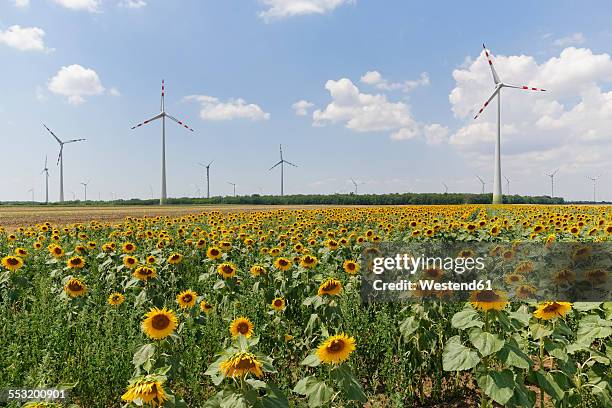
(436, 134)
(22, 3)
(302, 107)
(572, 39)
(278, 9)
(24, 38)
(75, 82)
(567, 126)
(212, 108)
(114, 92)
(375, 79)
(133, 4)
(40, 94)
(87, 5)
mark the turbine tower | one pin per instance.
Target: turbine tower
(45, 171)
(594, 180)
(282, 164)
(497, 190)
(552, 183)
(163, 115)
(482, 191)
(356, 184)
(60, 160)
(85, 187)
(445, 188)
(507, 185)
(32, 191)
(207, 177)
(234, 185)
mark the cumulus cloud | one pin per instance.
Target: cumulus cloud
(278, 9)
(22, 3)
(93, 6)
(212, 108)
(567, 126)
(114, 92)
(133, 4)
(375, 79)
(24, 38)
(572, 39)
(301, 108)
(75, 82)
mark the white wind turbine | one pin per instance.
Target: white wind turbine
(234, 185)
(497, 189)
(482, 191)
(282, 164)
(162, 115)
(552, 182)
(356, 184)
(32, 191)
(45, 171)
(594, 180)
(85, 187)
(445, 188)
(60, 160)
(507, 185)
(207, 177)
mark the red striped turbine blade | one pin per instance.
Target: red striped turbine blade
(487, 102)
(147, 121)
(529, 88)
(179, 122)
(495, 76)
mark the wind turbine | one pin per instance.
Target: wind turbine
(46, 172)
(482, 191)
(445, 188)
(552, 182)
(282, 164)
(356, 185)
(507, 185)
(85, 187)
(162, 115)
(60, 159)
(497, 190)
(32, 191)
(207, 177)
(594, 180)
(233, 184)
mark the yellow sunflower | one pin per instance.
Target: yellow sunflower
(278, 304)
(213, 253)
(76, 262)
(146, 390)
(241, 325)
(145, 273)
(227, 270)
(186, 299)
(525, 291)
(240, 365)
(330, 287)
(175, 258)
(12, 263)
(21, 252)
(283, 264)
(130, 262)
(75, 288)
(116, 299)
(128, 247)
(336, 349)
(551, 310)
(486, 300)
(351, 267)
(257, 270)
(206, 307)
(56, 251)
(159, 323)
(309, 261)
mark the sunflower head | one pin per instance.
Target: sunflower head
(257, 270)
(12, 262)
(278, 304)
(206, 307)
(186, 299)
(241, 326)
(213, 252)
(130, 262)
(76, 262)
(175, 258)
(145, 273)
(336, 349)
(486, 300)
(128, 247)
(227, 270)
(240, 365)
(116, 299)
(551, 310)
(159, 323)
(148, 390)
(284, 264)
(309, 261)
(351, 267)
(330, 287)
(75, 288)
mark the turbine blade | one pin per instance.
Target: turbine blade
(525, 87)
(163, 92)
(288, 162)
(148, 120)
(59, 156)
(211, 162)
(179, 122)
(45, 161)
(53, 134)
(487, 102)
(74, 140)
(275, 165)
(495, 76)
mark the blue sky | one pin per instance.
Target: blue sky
(388, 90)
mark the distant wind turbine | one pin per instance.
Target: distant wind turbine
(357, 184)
(497, 190)
(60, 159)
(482, 191)
(162, 114)
(32, 191)
(594, 180)
(45, 171)
(207, 177)
(282, 164)
(445, 188)
(85, 187)
(507, 185)
(552, 182)
(234, 185)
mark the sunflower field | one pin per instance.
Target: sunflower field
(263, 309)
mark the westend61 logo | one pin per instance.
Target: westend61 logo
(453, 271)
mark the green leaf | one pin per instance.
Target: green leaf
(143, 354)
(498, 385)
(585, 306)
(548, 383)
(255, 383)
(599, 379)
(523, 396)
(465, 319)
(311, 360)
(274, 398)
(556, 350)
(512, 355)
(485, 342)
(539, 331)
(521, 317)
(408, 326)
(457, 357)
(318, 392)
(593, 327)
(348, 384)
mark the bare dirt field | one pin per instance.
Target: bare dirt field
(12, 217)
